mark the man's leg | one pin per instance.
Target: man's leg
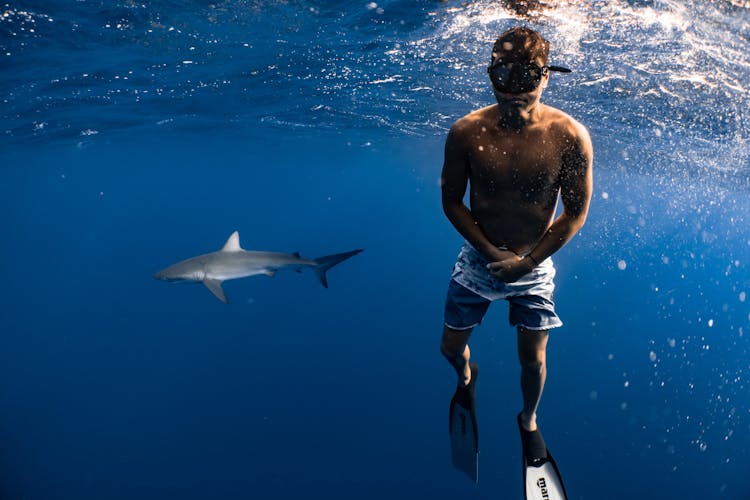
(464, 310)
(532, 353)
(455, 348)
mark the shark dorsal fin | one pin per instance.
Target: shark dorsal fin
(296, 254)
(233, 243)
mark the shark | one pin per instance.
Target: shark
(232, 262)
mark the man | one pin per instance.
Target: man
(516, 156)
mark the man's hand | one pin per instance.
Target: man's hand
(511, 268)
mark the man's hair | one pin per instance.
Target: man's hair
(523, 42)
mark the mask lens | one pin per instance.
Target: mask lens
(515, 78)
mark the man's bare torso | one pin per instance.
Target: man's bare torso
(514, 175)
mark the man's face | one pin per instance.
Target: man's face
(517, 71)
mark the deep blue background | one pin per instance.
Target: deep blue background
(114, 385)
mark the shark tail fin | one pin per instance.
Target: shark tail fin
(323, 264)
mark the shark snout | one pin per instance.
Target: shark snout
(165, 275)
(178, 273)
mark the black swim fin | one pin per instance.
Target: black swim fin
(541, 477)
(462, 421)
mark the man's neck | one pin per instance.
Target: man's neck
(517, 120)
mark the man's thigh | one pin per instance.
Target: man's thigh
(464, 309)
(532, 344)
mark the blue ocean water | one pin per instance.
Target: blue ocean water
(138, 134)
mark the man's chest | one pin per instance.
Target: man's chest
(522, 164)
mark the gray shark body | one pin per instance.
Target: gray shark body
(232, 262)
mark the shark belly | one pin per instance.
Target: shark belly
(223, 271)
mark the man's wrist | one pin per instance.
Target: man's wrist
(494, 254)
(530, 260)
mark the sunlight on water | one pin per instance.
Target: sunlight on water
(666, 64)
(661, 76)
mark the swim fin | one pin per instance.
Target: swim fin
(462, 421)
(541, 477)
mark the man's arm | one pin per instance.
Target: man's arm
(576, 186)
(454, 180)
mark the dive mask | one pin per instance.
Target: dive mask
(519, 77)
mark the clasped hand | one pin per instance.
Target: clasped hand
(509, 267)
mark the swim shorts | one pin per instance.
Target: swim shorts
(472, 288)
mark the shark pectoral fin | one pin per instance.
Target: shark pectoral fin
(270, 274)
(215, 287)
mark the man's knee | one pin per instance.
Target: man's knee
(453, 345)
(533, 365)
(452, 353)
(446, 351)
(532, 347)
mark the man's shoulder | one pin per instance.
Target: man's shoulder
(476, 119)
(564, 124)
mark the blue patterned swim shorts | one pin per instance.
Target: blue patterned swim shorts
(472, 288)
